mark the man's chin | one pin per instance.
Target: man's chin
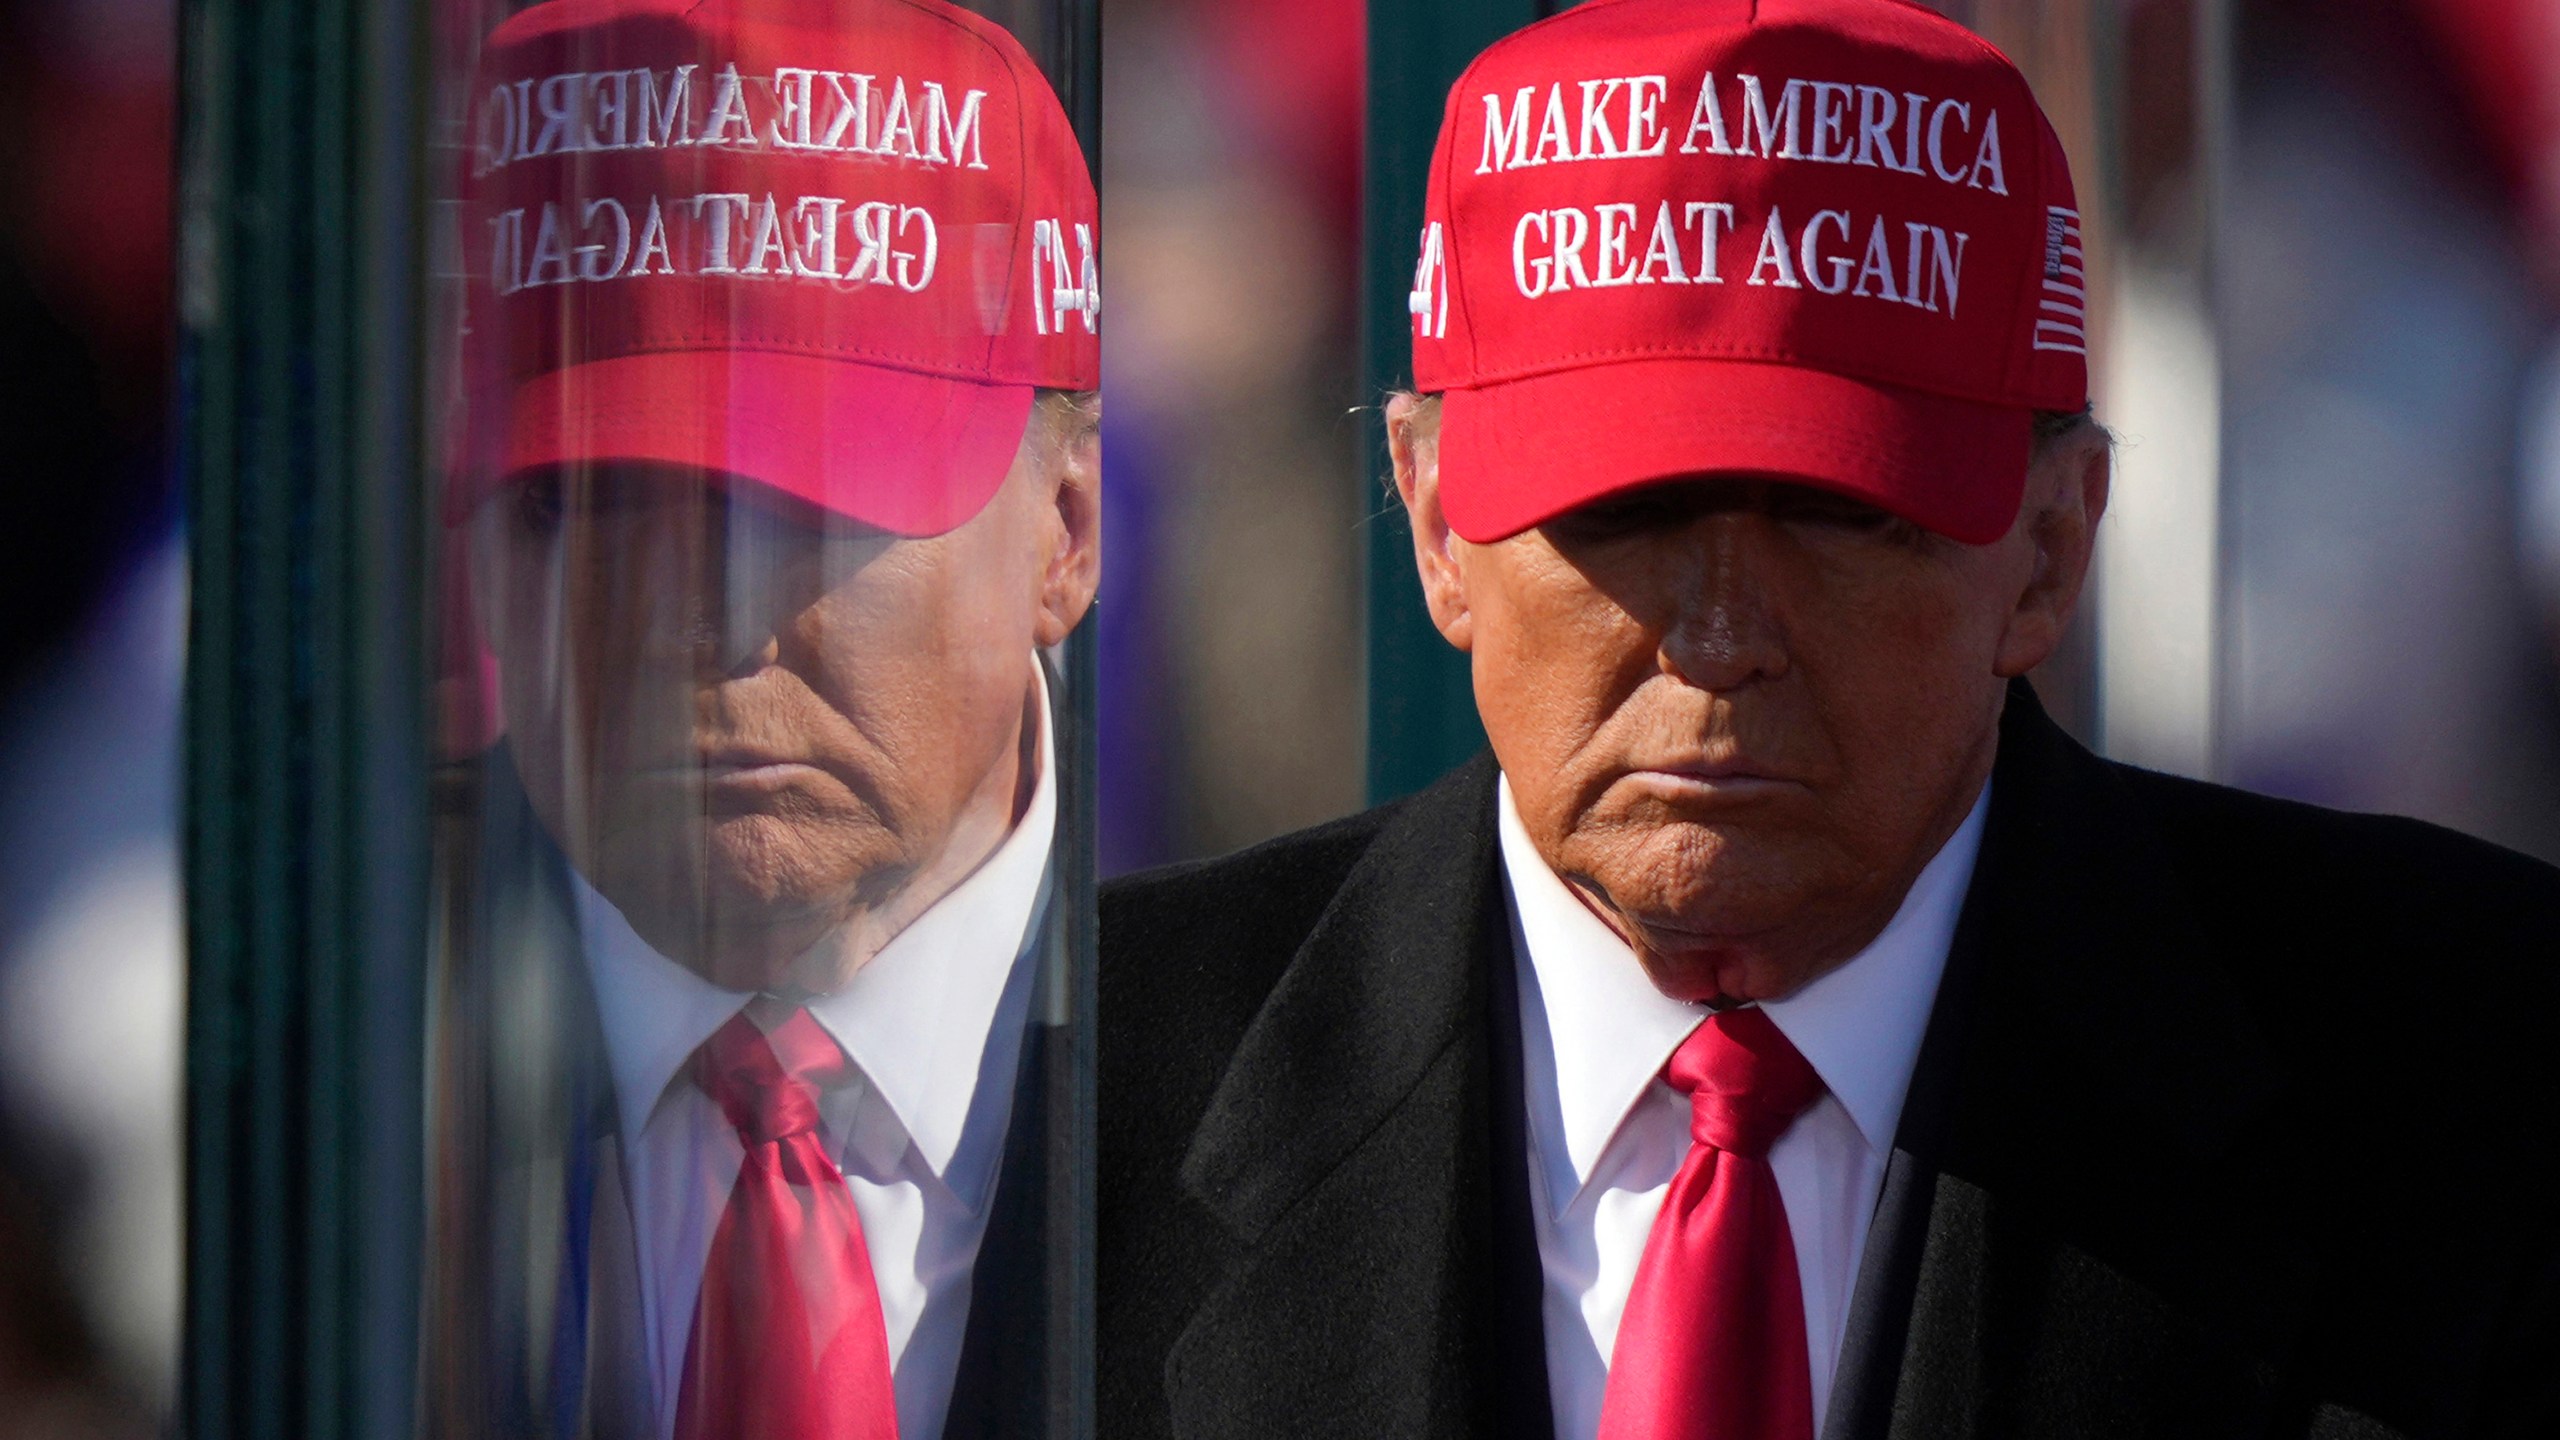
(768, 869)
(1715, 939)
(1721, 975)
(740, 926)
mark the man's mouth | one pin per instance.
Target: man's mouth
(1734, 778)
(733, 766)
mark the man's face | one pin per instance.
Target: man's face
(750, 723)
(1739, 716)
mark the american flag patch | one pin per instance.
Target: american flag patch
(2062, 314)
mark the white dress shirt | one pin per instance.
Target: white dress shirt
(932, 1023)
(1606, 1133)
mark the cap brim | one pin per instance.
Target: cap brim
(1517, 454)
(910, 453)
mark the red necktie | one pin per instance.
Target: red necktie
(1712, 1344)
(787, 1339)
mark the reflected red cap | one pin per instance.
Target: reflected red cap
(831, 246)
(1829, 240)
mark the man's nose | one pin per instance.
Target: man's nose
(752, 589)
(1725, 629)
(722, 625)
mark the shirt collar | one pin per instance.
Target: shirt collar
(1861, 1025)
(1610, 1032)
(655, 1012)
(920, 1019)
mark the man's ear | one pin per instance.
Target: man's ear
(2066, 496)
(1074, 560)
(1414, 447)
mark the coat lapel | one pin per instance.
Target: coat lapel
(1516, 1282)
(2081, 1227)
(1011, 1373)
(1351, 1139)
(615, 1368)
(535, 1318)
(600, 1373)
(1031, 1284)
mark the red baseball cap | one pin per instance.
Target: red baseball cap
(830, 246)
(1827, 240)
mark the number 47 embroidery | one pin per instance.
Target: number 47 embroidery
(1429, 301)
(1060, 287)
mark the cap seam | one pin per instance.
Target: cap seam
(1790, 359)
(1450, 251)
(1021, 210)
(1851, 448)
(2018, 366)
(766, 345)
(1021, 138)
(1889, 467)
(1448, 161)
(1849, 442)
(2030, 280)
(770, 344)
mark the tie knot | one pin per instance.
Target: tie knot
(767, 1082)
(1745, 1081)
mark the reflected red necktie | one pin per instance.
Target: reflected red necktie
(787, 1340)
(1712, 1345)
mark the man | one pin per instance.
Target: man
(1786, 1030)
(782, 472)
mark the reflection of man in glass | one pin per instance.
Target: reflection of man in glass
(780, 477)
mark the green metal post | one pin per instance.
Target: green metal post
(1075, 1078)
(305, 773)
(1422, 715)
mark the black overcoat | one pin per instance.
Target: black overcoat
(2235, 1117)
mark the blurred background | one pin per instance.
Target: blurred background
(90, 652)
(1230, 642)
(2325, 241)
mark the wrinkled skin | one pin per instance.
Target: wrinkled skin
(1740, 715)
(771, 736)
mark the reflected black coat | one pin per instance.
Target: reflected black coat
(2234, 1118)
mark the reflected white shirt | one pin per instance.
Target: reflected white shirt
(933, 1024)
(1606, 1134)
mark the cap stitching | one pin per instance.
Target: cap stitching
(2018, 367)
(1592, 359)
(1893, 466)
(1022, 137)
(1448, 128)
(2021, 359)
(771, 345)
(1850, 443)
(1455, 281)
